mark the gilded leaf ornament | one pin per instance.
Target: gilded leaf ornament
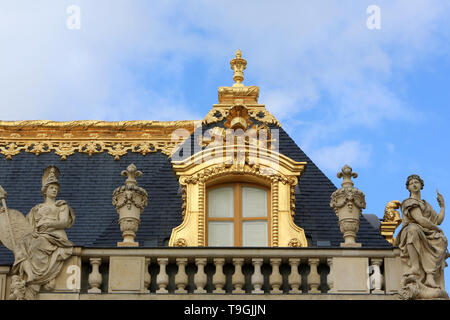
(89, 137)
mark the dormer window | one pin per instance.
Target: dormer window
(237, 215)
(237, 189)
(239, 204)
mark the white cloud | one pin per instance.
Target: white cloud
(333, 158)
(129, 58)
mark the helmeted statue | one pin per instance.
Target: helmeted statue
(422, 243)
(39, 242)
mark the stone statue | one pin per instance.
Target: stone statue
(39, 242)
(422, 243)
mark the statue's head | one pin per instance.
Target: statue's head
(414, 177)
(51, 190)
(50, 181)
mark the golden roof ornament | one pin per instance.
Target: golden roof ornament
(238, 65)
(239, 95)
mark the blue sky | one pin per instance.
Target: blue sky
(374, 99)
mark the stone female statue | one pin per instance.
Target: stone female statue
(422, 243)
(39, 254)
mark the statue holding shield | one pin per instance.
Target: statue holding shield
(38, 241)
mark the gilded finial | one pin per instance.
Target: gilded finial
(347, 174)
(238, 65)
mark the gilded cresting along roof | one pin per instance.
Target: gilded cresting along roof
(90, 136)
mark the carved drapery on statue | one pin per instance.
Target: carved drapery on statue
(423, 245)
(39, 242)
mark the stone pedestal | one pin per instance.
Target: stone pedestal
(351, 275)
(127, 275)
(69, 279)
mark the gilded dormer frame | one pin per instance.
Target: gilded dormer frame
(243, 163)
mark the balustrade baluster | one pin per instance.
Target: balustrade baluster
(257, 277)
(313, 277)
(200, 277)
(294, 278)
(376, 279)
(238, 278)
(95, 277)
(162, 279)
(275, 278)
(181, 278)
(219, 278)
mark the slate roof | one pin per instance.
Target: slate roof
(312, 206)
(87, 183)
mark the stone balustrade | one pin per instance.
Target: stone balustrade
(222, 273)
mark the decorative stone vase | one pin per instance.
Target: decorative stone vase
(129, 200)
(348, 203)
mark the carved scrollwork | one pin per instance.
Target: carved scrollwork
(181, 243)
(222, 170)
(260, 114)
(264, 116)
(89, 137)
(215, 115)
(11, 149)
(294, 243)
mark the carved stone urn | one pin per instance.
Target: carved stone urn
(129, 200)
(348, 203)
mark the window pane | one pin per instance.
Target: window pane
(221, 203)
(254, 234)
(254, 202)
(220, 234)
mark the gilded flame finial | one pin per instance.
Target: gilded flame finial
(238, 64)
